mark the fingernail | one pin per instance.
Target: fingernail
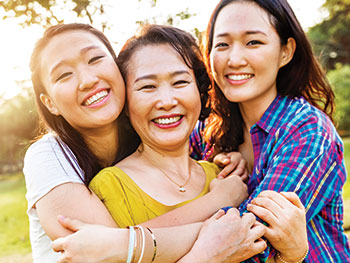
(61, 218)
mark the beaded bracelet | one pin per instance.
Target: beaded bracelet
(299, 261)
(154, 244)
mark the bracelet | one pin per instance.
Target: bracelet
(143, 243)
(154, 244)
(299, 261)
(131, 249)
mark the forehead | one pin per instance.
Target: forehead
(67, 45)
(242, 15)
(155, 59)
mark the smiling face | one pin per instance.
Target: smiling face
(82, 81)
(246, 54)
(163, 100)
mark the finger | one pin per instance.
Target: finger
(248, 219)
(257, 231)
(221, 159)
(245, 177)
(62, 258)
(226, 171)
(57, 245)
(276, 198)
(71, 224)
(217, 215)
(293, 198)
(263, 213)
(269, 204)
(240, 168)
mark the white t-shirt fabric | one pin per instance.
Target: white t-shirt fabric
(45, 167)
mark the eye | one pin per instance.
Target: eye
(92, 60)
(221, 45)
(63, 76)
(254, 42)
(181, 83)
(147, 87)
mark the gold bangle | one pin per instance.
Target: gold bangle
(154, 244)
(299, 261)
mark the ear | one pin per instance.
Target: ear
(49, 104)
(288, 52)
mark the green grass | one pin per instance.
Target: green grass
(14, 233)
(346, 141)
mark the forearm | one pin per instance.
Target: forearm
(172, 243)
(196, 211)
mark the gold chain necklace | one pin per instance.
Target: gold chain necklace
(181, 188)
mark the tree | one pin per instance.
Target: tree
(49, 12)
(331, 38)
(340, 81)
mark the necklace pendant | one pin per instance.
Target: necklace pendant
(182, 189)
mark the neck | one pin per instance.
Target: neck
(177, 161)
(103, 142)
(253, 110)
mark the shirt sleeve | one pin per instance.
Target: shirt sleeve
(199, 148)
(310, 165)
(111, 191)
(47, 166)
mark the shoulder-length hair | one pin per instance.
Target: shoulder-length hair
(302, 76)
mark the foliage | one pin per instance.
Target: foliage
(18, 120)
(49, 12)
(340, 81)
(14, 234)
(331, 37)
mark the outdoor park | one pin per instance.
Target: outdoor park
(329, 34)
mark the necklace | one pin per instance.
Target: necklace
(181, 188)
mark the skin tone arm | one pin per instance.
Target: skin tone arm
(92, 243)
(73, 200)
(285, 216)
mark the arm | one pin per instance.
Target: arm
(230, 191)
(285, 217)
(309, 165)
(54, 187)
(72, 200)
(93, 243)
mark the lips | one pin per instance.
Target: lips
(96, 98)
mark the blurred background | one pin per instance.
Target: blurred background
(327, 23)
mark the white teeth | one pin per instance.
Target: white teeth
(167, 121)
(240, 77)
(96, 98)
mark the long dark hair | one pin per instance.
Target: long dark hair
(182, 42)
(88, 161)
(302, 76)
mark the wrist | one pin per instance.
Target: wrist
(117, 249)
(282, 258)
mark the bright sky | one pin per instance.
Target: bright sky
(17, 43)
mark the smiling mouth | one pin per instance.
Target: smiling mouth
(96, 98)
(167, 121)
(239, 77)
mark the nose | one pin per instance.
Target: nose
(87, 79)
(236, 57)
(166, 98)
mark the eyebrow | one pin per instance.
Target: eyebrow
(250, 32)
(154, 76)
(82, 52)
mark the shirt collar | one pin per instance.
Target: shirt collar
(272, 115)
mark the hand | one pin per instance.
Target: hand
(227, 238)
(89, 243)
(232, 163)
(285, 216)
(230, 191)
